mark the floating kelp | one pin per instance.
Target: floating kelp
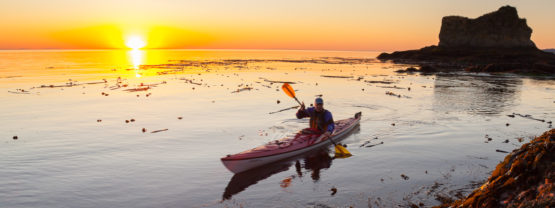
(372, 145)
(156, 131)
(20, 91)
(274, 81)
(526, 116)
(285, 109)
(333, 76)
(502, 151)
(8, 77)
(392, 87)
(73, 84)
(190, 81)
(380, 82)
(242, 89)
(138, 89)
(396, 95)
(179, 65)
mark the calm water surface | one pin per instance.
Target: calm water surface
(75, 148)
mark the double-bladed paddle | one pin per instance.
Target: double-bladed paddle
(339, 150)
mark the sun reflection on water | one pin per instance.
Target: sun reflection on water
(136, 59)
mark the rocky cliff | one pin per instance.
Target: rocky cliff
(500, 29)
(495, 42)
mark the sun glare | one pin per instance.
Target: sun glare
(135, 43)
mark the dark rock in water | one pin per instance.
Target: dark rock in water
(423, 69)
(552, 50)
(500, 29)
(540, 68)
(428, 69)
(15, 138)
(333, 191)
(495, 42)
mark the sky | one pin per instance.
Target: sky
(368, 25)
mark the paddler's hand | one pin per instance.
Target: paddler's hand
(302, 107)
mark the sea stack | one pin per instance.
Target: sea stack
(500, 29)
(495, 42)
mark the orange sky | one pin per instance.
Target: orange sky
(248, 24)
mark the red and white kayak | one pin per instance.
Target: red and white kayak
(287, 147)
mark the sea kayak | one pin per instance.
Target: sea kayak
(287, 147)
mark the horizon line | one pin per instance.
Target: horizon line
(219, 49)
(214, 49)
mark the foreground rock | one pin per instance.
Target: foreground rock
(495, 42)
(523, 179)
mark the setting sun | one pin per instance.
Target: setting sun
(135, 42)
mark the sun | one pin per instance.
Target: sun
(135, 42)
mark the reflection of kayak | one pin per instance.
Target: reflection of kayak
(313, 161)
(286, 147)
(243, 180)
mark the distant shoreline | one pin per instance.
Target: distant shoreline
(195, 49)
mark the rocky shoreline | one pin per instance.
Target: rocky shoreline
(495, 42)
(437, 59)
(523, 179)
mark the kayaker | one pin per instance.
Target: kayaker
(320, 118)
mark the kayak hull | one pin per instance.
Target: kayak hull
(251, 158)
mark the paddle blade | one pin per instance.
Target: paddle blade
(288, 90)
(341, 151)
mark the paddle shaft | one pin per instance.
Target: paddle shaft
(331, 140)
(297, 101)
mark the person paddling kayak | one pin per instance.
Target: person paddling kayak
(303, 141)
(320, 118)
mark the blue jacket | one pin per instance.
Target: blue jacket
(322, 121)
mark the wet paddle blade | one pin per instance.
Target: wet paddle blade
(342, 151)
(341, 156)
(288, 90)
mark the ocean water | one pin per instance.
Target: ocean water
(147, 128)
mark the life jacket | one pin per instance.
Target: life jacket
(317, 121)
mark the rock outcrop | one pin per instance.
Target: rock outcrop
(495, 42)
(500, 29)
(523, 179)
